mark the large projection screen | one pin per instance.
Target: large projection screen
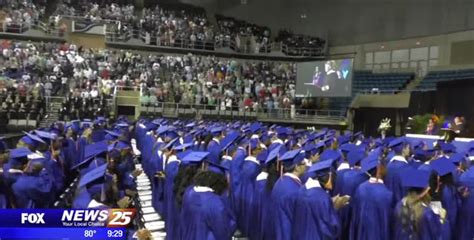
(330, 78)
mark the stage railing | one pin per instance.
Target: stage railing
(260, 113)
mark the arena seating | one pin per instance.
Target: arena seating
(368, 81)
(433, 77)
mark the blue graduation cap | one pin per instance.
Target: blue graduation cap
(470, 147)
(157, 121)
(273, 154)
(93, 175)
(229, 139)
(415, 178)
(262, 156)
(217, 168)
(113, 134)
(31, 139)
(170, 143)
(397, 144)
(447, 147)
(330, 154)
(91, 151)
(162, 129)
(217, 130)
(87, 123)
(293, 157)
(309, 147)
(193, 157)
(346, 148)
(255, 127)
(321, 168)
(355, 156)
(458, 158)
(122, 125)
(369, 163)
(343, 139)
(467, 179)
(46, 135)
(182, 146)
(442, 166)
(20, 152)
(282, 132)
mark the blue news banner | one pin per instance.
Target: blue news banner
(65, 224)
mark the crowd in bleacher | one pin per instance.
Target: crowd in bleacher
(18, 16)
(300, 45)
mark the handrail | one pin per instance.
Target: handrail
(23, 27)
(264, 113)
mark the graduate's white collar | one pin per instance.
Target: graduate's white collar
(311, 183)
(254, 136)
(277, 141)
(12, 170)
(173, 158)
(343, 166)
(217, 140)
(141, 125)
(202, 189)
(252, 159)
(227, 157)
(375, 180)
(398, 158)
(291, 175)
(35, 155)
(94, 204)
(471, 158)
(262, 176)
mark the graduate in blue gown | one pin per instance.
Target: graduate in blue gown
(315, 215)
(464, 228)
(33, 188)
(262, 205)
(351, 179)
(207, 216)
(285, 192)
(372, 204)
(396, 166)
(447, 192)
(416, 217)
(245, 190)
(214, 146)
(170, 206)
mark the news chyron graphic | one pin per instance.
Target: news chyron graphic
(329, 78)
(65, 223)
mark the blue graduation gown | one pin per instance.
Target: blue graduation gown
(157, 183)
(392, 179)
(170, 206)
(245, 191)
(70, 153)
(235, 175)
(464, 228)
(430, 226)
(314, 215)
(207, 217)
(3, 192)
(98, 135)
(283, 198)
(32, 188)
(372, 206)
(214, 149)
(339, 181)
(352, 178)
(451, 201)
(262, 207)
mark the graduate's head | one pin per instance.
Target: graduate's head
(36, 168)
(400, 146)
(294, 161)
(443, 167)
(323, 171)
(417, 183)
(215, 181)
(18, 157)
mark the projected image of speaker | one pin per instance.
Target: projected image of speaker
(331, 78)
